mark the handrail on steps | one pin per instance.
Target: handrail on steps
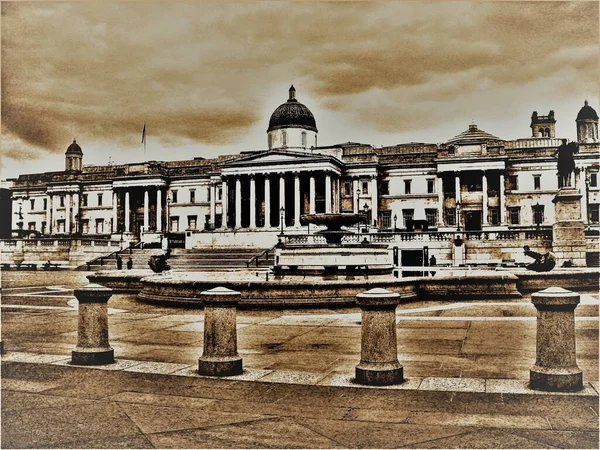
(103, 257)
(255, 258)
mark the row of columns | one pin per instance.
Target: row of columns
(330, 206)
(52, 209)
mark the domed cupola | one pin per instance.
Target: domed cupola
(292, 125)
(73, 157)
(587, 124)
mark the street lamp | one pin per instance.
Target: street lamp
(395, 221)
(357, 200)
(366, 209)
(20, 215)
(281, 217)
(457, 216)
(168, 227)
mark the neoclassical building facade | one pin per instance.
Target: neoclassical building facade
(475, 181)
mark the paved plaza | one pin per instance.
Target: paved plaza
(466, 363)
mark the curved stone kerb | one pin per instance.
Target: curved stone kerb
(555, 297)
(220, 296)
(378, 297)
(93, 293)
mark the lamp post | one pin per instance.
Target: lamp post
(457, 216)
(168, 227)
(20, 215)
(366, 209)
(395, 222)
(357, 200)
(281, 217)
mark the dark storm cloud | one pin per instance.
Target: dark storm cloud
(199, 72)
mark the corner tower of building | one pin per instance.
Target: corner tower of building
(73, 157)
(587, 124)
(543, 126)
(292, 126)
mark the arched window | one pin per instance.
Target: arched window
(547, 132)
(304, 139)
(284, 138)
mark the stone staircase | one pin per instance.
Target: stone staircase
(215, 258)
(189, 260)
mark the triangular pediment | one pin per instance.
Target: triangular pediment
(275, 156)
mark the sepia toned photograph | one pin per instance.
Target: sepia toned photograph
(299, 224)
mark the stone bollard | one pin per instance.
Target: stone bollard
(555, 367)
(93, 348)
(220, 357)
(379, 364)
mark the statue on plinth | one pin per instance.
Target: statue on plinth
(158, 263)
(544, 262)
(566, 163)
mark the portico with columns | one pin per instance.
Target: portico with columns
(275, 188)
(139, 205)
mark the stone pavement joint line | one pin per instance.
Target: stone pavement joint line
(441, 384)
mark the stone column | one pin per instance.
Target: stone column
(158, 210)
(238, 202)
(379, 363)
(355, 196)
(115, 217)
(502, 201)
(337, 194)
(220, 356)
(484, 186)
(374, 202)
(93, 347)
(53, 223)
(311, 195)
(252, 202)
(327, 193)
(127, 212)
(49, 214)
(297, 205)
(76, 212)
(440, 192)
(224, 204)
(556, 366)
(146, 211)
(67, 213)
(281, 196)
(457, 196)
(267, 201)
(213, 203)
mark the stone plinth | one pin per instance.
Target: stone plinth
(93, 347)
(556, 367)
(379, 353)
(568, 231)
(220, 356)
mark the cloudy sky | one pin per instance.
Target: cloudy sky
(205, 77)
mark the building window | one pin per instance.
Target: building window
(538, 214)
(31, 226)
(62, 201)
(494, 216)
(192, 222)
(304, 139)
(430, 186)
(513, 185)
(99, 226)
(193, 195)
(347, 188)
(99, 199)
(220, 193)
(173, 196)
(386, 219)
(432, 216)
(84, 200)
(514, 215)
(450, 216)
(594, 213)
(43, 228)
(32, 201)
(45, 203)
(284, 138)
(85, 226)
(537, 182)
(451, 150)
(407, 186)
(385, 188)
(174, 224)
(365, 187)
(594, 179)
(407, 215)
